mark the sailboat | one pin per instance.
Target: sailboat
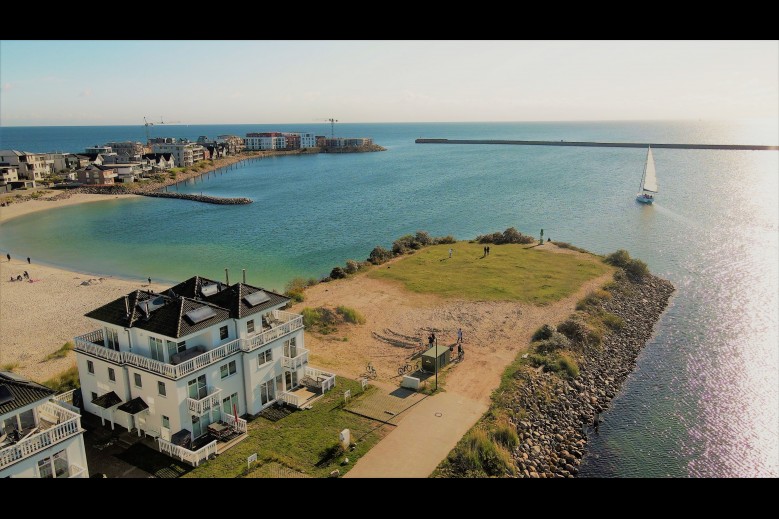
(648, 180)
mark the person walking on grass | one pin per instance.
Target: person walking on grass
(450, 252)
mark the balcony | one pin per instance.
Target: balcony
(297, 362)
(283, 323)
(194, 458)
(212, 399)
(55, 424)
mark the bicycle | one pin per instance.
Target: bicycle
(407, 368)
(370, 371)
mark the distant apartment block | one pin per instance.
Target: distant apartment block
(40, 435)
(264, 141)
(348, 142)
(128, 148)
(97, 149)
(233, 143)
(30, 166)
(159, 161)
(8, 174)
(185, 153)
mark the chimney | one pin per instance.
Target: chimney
(244, 276)
(227, 278)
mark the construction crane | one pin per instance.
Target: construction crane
(332, 125)
(147, 124)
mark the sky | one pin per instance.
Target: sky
(264, 82)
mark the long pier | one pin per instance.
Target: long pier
(602, 144)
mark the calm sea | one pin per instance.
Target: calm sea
(704, 399)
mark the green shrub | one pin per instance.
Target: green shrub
(350, 315)
(311, 316)
(423, 238)
(543, 333)
(557, 341)
(593, 299)
(620, 259)
(566, 364)
(379, 255)
(352, 266)
(510, 235)
(444, 240)
(337, 273)
(294, 289)
(637, 268)
(477, 453)
(575, 329)
(9, 366)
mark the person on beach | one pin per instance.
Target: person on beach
(26, 275)
(459, 335)
(150, 281)
(28, 260)
(8, 256)
(19, 278)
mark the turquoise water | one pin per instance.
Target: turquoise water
(703, 400)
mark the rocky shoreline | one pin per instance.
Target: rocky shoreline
(202, 198)
(552, 430)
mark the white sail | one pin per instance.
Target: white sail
(650, 178)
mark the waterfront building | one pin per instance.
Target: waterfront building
(129, 148)
(234, 144)
(264, 141)
(348, 142)
(8, 174)
(30, 166)
(300, 140)
(159, 161)
(97, 150)
(40, 433)
(180, 364)
(184, 152)
(97, 175)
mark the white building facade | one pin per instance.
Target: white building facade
(202, 352)
(265, 141)
(40, 437)
(184, 153)
(31, 166)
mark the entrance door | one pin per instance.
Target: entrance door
(290, 379)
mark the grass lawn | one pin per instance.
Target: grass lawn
(301, 440)
(510, 273)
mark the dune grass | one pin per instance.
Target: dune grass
(510, 273)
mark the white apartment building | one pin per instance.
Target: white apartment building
(265, 141)
(307, 140)
(184, 153)
(203, 352)
(40, 437)
(31, 166)
(8, 174)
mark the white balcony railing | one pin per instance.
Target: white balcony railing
(239, 425)
(287, 323)
(207, 402)
(327, 379)
(77, 471)
(290, 398)
(297, 362)
(92, 344)
(67, 424)
(192, 457)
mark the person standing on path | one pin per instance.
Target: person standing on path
(459, 335)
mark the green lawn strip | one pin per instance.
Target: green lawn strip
(510, 273)
(301, 440)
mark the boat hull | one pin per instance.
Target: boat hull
(644, 199)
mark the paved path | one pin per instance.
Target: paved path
(428, 431)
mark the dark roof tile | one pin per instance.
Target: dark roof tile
(24, 392)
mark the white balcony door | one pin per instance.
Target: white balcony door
(197, 388)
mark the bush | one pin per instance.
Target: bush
(557, 341)
(477, 453)
(379, 255)
(637, 268)
(65, 381)
(505, 434)
(337, 273)
(620, 259)
(294, 289)
(543, 333)
(350, 315)
(510, 235)
(567, 365)
(593, 299)
(423, 238)
(444, 240)
(614, 322)
(352, 266)
(310, 316)
(579, 332)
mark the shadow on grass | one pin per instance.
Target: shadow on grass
(329, 455)
(154, 462)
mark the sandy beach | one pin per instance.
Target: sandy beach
(37, 318)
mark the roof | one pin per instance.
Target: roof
(20, 392)
(134, 406)
(168, 318)
(107, 400)
(432, 351)
(233, 299)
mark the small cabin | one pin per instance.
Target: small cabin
(436, 354)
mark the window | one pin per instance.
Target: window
(138, 380)
(91, 367)
(112, 339)
(161, 388)
(94, 395)
(165, 422)
(250, 326)
(223, 332)
(227, 403)
(111, 375)
(197, 387)
(227, 369)
(290, 348)
(264, 357)
(54, 466)
(176, 347)
(155, 345)
(267, 392)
